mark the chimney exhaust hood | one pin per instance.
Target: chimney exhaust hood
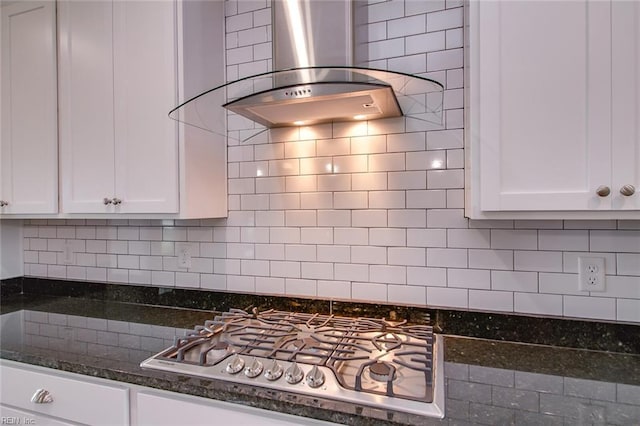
(300, 93)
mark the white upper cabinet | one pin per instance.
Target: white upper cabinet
(121, 64)
(552, 109)
(29, 144)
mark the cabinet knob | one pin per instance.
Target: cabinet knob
(603, 191)
(116, 201)
(106, 201)
(42, 396)
(628, 190)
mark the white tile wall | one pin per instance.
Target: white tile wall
(358, 211)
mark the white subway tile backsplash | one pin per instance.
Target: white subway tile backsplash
(403, 27)
(541, 304)
(386, 199)
(628, 264)
(350, 200)
(450, 297)
(369, 292)
(469, 278)
(427, 42)
(308, 204)
(369, 218)
(334, 218)
(491, 259)
(444, 20)
(543, 261)
(269, 285)
(414, 218)
(340, 146)
(446, 218)
(501, 301)
(337, 182)
(447, 258)
(522, 282)
(427, 277)
(590, 307)
(407, 180)
(406, 256)
(386, 162)
(628, 310)
(387, 237)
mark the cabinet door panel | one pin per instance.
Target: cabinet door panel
(86, 105)
(544, 105)
(626, 103)
(145, 92)
(29, 103)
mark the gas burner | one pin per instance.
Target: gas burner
(380, 372)
(367, 361)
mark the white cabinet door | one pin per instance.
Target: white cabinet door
(159, 410)
(18, 417)
(86, 105)
(146, 160)
(29, 145)
(543, 104)
(118, 82)
(626, 104)
(75, 398)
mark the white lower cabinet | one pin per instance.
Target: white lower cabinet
(159, 409)
(74, 398)
(87, 400)
(12, 416)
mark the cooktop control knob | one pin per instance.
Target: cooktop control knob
(274, 371)
(253, 369)
(235, 365)
(293, 374)
(315, 377)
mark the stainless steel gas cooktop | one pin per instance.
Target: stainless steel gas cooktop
(372, 362)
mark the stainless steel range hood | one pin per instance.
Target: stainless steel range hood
(314, 81)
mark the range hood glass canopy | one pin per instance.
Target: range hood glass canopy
(313, 95)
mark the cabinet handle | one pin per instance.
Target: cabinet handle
(42, 396)
(116, 201)
(3, 203)
(603, 191)
(106, 201)
(628, 190)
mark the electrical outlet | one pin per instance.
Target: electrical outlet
(184, 257)
(591, 273)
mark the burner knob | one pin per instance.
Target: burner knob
(235, 365)
(254, 369)
(274, 371)
(293, 374)
(315, 377)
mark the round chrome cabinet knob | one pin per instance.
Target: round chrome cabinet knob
(116, 201)
(273, 371)
(294, 374)
(315, 377)
(42, 396)
(628, 190)
(235, 365)
(106, 201)
(254, 369)
(603, 191)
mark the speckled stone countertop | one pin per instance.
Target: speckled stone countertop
(487, 381)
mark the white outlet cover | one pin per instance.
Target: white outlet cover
(591, 273)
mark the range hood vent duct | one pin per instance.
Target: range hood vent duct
(306, 94)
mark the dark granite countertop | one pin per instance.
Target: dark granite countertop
(487, 381)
